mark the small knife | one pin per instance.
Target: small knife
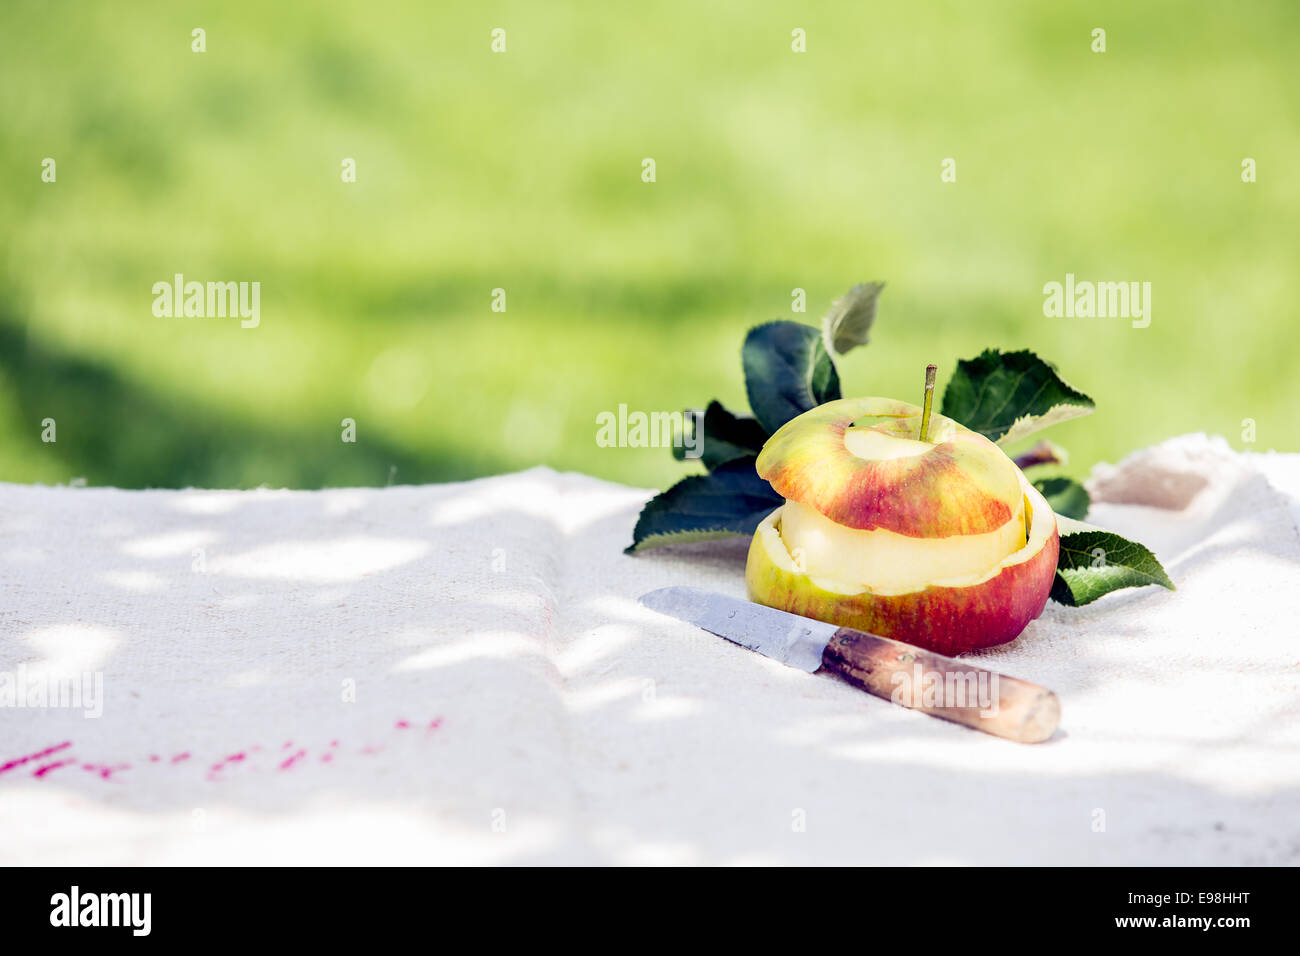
(937, 685)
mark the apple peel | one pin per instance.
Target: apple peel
(948, 616)
(960, 484)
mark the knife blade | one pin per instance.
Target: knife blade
(788, 638)
(910, 676)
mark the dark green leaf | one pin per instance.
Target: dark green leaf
(848, 324)
(1094, 562)
(787, 372)
(728, 502)
(723, 437)
(1066, 496)
(1008, 395)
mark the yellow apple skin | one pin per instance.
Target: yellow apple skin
(947, 617)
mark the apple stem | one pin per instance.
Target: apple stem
(929, 400)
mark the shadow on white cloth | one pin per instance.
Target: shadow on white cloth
(461, 674)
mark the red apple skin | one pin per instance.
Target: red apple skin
(963, 485)
(945, 620)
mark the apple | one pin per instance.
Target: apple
(902, 524)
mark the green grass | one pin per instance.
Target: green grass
(522, 171)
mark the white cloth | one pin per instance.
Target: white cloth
(514, 704)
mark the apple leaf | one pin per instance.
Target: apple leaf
(1007, 395)
(1066, 496)
(728, 502)
(1094, 562)
(848, 324)
(787, 372)
(723, 437)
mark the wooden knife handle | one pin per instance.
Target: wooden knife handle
(943, 687)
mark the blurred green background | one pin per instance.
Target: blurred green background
(522, 170)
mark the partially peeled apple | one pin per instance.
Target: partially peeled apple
(903, 524)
